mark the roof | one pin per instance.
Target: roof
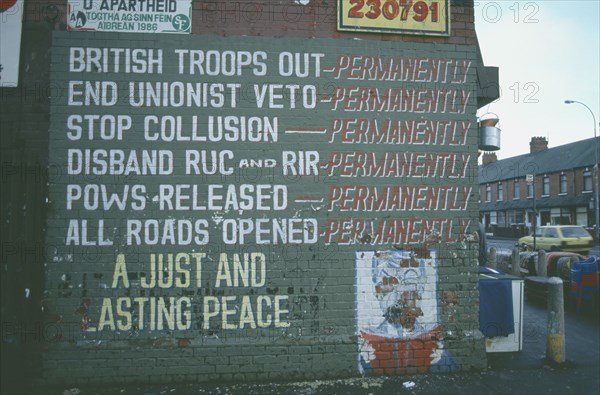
(564, 157)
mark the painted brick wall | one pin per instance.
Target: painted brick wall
(368, 251)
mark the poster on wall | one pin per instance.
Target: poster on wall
(423, 17)
(160, 16)
(11, 15)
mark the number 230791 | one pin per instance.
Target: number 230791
(403, 10)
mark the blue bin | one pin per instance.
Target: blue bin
(584, 282)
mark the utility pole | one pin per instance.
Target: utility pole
(596, 185)
(530, 178)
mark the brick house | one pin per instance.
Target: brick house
(563, 186)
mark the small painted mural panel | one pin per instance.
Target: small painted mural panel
(397, 319)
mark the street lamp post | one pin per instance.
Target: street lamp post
(596, 188)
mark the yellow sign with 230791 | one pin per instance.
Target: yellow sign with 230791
(424, 17)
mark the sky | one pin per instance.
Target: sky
(547, 51)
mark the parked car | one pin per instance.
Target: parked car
(571, 238)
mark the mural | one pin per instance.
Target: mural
(211, 189)
(397, 313)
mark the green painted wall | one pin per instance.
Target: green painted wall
(212, 200)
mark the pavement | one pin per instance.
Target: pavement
(524, 372)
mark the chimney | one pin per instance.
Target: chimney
(538, 144)
(489, 157)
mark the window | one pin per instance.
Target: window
(517, 189)
(560, 216)
(574, 232)
(546, 186)
(501, 218)
(488, 193)
(493, 218)
(516, 217)
(500, 192)
(587, 181)
(510, 217)
(519, 216)
(529, 190)
(563, 184)
(581, 216)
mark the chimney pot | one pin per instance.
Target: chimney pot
(488, 157)
(538, 144)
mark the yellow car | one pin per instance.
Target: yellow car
(571, 238)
